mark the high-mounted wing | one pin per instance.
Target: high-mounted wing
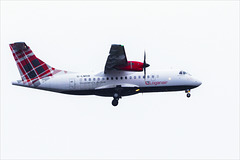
(117, 57)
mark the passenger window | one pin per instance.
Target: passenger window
(116, 78)
(134, 77)
(139, 77)
(85, 79)
(111, 78)
(130, 77)
(143, 77)
(103, 79)
(148, 76)
(98, 79)
(89, 79)
(152, 76)
(126, 77)
(121, 77)
(107, 78)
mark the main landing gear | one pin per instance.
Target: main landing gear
(188, 93)
(115, 102)
(116, 97)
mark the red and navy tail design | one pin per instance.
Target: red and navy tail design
(30, 67)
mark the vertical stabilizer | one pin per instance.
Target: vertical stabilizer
(30, 67)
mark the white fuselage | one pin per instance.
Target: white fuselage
(105, 84)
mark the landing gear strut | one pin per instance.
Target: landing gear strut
(115, 95)
(188, 93)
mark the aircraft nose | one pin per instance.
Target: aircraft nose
(198, 83)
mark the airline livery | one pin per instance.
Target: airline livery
(119, 78)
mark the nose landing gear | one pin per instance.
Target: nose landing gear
(188, 93)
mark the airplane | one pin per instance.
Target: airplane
(119, 78)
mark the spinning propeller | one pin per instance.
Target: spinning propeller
(145, 65)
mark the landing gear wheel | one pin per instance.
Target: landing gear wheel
(188, 95)
(114, 102)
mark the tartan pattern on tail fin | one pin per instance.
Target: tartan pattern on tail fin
(30, 67)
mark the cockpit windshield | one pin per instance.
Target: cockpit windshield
(183, 73)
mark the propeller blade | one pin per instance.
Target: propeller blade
(144, 72)
(144, 61)
(144, 64)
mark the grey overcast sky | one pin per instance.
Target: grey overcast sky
(201, 37)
